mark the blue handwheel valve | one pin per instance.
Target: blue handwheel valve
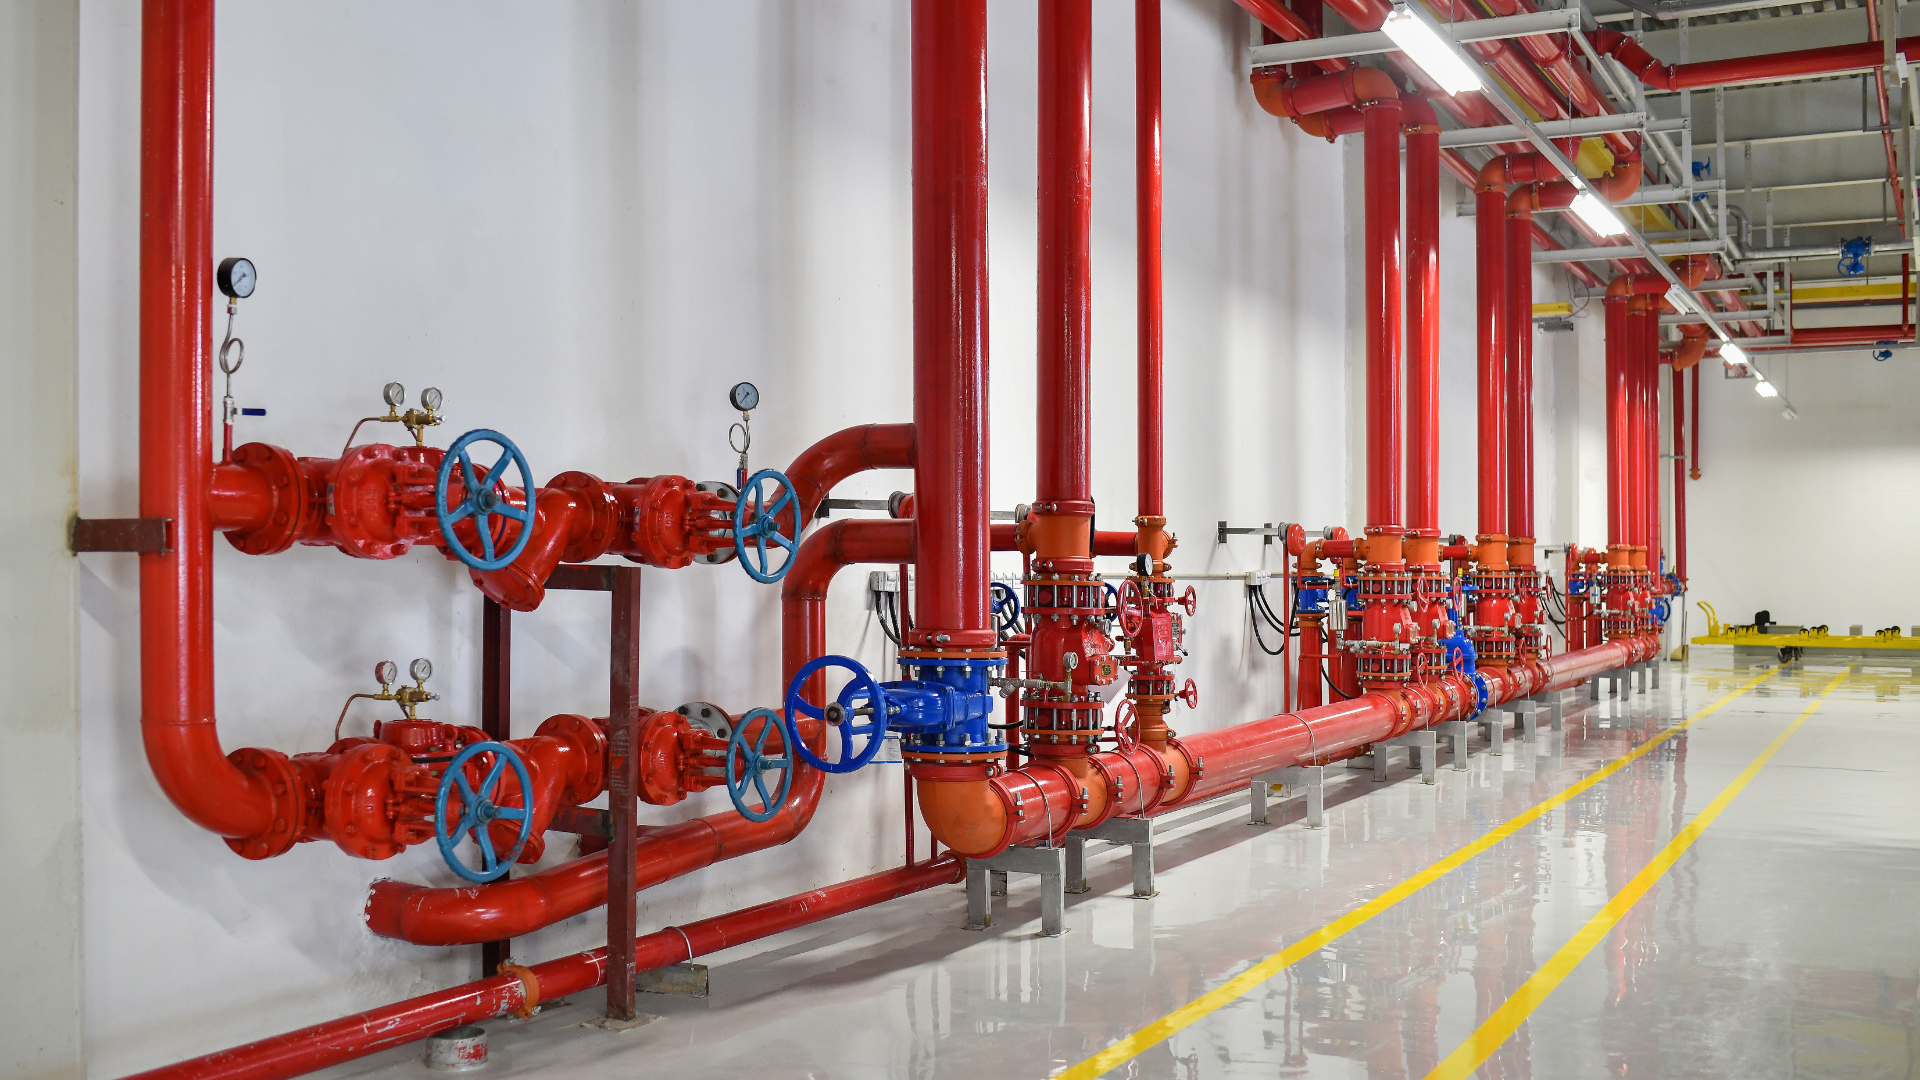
(481, 498)
(479, 807)
(748, 764)
(757, 520)
(860, 715)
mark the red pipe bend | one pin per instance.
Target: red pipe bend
(1651, 71)
(1295, 98)
(845, 453)
(465, 916)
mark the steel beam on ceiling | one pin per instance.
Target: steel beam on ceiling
(1578, 127)
(1375, 42)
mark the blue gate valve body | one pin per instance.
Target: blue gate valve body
(1311, 595)
(947, 709)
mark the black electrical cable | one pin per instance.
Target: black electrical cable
(1344, 696)
(1254, 617)
(882, 609)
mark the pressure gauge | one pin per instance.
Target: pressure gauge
(420, 670)
(430, 399)
(236, 277)
(385, 672)
(745, 397)
(394, 394)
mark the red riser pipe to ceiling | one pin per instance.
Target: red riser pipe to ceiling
(1616, 391)
(1146, 151)
(1382, 194)
(308, 1049)
(1064, 399)
(949, 47)
(1519, 371)
(1780, 65)
(1490, 303)
(1423, 315)
(1693, 424)
(1678, 391)
(1650, 440)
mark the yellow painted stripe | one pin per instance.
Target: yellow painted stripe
(1507, 1019)
(1192, 1012)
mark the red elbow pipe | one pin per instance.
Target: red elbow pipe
(519, 906)
(1781, 65)
(845, 453)
(176, 303)
(949, 78)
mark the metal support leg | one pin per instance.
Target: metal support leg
(1556, 710)
(1134, 832)
(1050, 863)
(1421, 753)
(1529, 725)
(1457, 731)
(1257, 795)
(997, 883)
(1653, 668)
(1308, 780)
(1494, 723)
(1076, 866)
(1593, 688)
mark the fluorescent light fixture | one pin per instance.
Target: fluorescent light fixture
(1766, 389)
(1597, 214)
(1678, 297)
(1434, 54)
(1732, 354)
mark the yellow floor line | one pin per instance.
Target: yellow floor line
(1193, 1011)
(1508, 1017)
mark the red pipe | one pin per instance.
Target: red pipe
(1519, 363)
(1780, 65)
(1423, 314)
(1283, 22)
(1679, 392)
(1693, 426)
(176, 332)
(322, 1045)
(1490, 274)
(1650, 436)
(949, 43)
(518, 906)
(1146, 159)
(1382, 166)
(1064, 400)
(845, 453)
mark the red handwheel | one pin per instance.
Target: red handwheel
(1130, 608)
(1190, 694)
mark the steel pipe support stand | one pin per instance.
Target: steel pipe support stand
(1556, 708)
(1050, 863)
(1423, 753)
(1529, 723)
(1653, 669)
(1135, 832)
(1456, 730)
(1494, 723)
(1312, 779)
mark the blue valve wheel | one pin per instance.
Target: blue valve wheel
(479, 808)
(756, 520)
(1006, 606)
(863, 692)
(482, 498)
(748, 764)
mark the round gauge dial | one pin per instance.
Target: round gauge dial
(420, 670)
(236, 277)
(385, 672)
(430, 399)
(394, 394)
(745, 397)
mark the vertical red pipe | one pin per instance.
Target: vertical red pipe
(1693, 425)
(1382, 168)
(1423, 317)
(1630, 404)
(1679, 393)
(1650, 438)
(1519, 380)
(950, 320)
(1617, 440)
(1065, 432)
(1146, 155)
(176, 336)
(1490, 266)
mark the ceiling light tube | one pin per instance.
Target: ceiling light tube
(1430, 50)
(1598, 215)
(1732, 354)
(1766, 389)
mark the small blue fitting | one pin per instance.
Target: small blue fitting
(1853, 255)
(1311, 596)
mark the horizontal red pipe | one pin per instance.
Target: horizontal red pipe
(1281, 20)
(351, 1037)
(519, 906)
(1867, 334)
(1780, 65)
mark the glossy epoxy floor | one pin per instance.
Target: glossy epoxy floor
(1784, 942)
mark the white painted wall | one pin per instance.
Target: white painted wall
(40, 1035)
(1795, 516)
